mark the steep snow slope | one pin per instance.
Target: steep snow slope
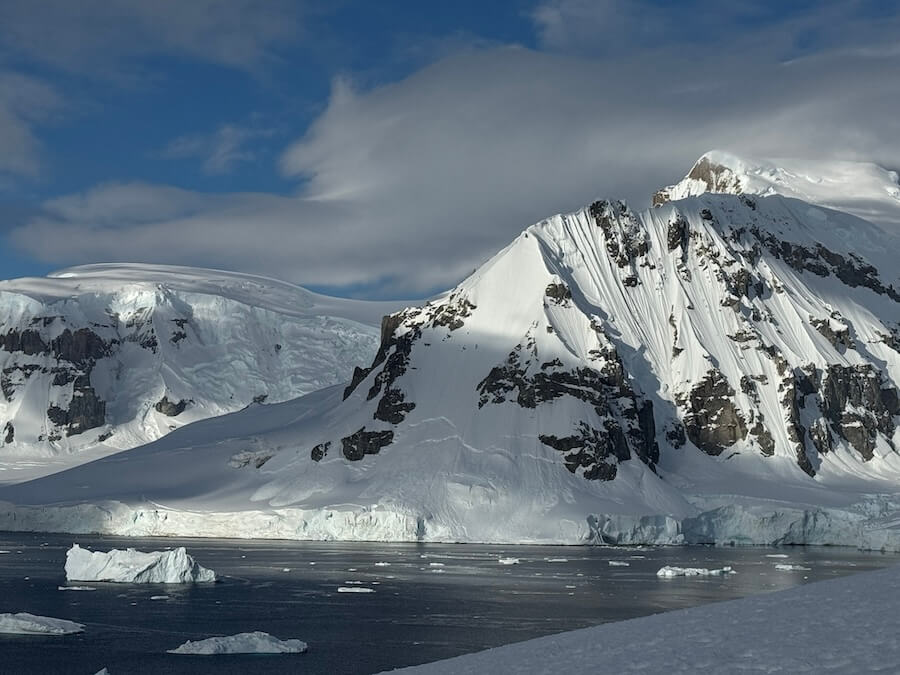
(861, 188)
(112, 356)
(720, 368)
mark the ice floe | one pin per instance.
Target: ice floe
(24, 623)
(669, 571)
(256, 642)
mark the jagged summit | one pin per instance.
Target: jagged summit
(718, 362)
(861, 188)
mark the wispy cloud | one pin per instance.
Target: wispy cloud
(220, 151)
(101, 38)
(24, 102)
(407, 186)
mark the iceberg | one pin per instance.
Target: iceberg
(669, 572)
(24, 623)
(135, 567)
(256, 642)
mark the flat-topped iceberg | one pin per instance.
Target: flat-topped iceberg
(24, 623)
(135, 567)
(669, 571)
(256, 642)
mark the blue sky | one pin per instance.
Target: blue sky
(386, 149)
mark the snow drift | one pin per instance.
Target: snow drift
(135, 567)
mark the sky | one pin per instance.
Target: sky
(385, 150)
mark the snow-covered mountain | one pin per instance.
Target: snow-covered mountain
(719, 368)
(861, 188)
(113, 356)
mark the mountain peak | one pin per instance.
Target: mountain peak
(863, 189)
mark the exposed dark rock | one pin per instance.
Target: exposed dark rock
(558, 293)
(675, 434)
(592, 450)
(835, 332)
(178, 336)
(625, 421)
(716, 177)
(712, 421)
(625, 239)
(452, 313)
(317, 454)
(260, 398)
(9, 433)
(167, 407)
(763, 437)
(86, 410)
(852, 270)
(362, 443)
(677, 234)
(860, 405)
(821, 437)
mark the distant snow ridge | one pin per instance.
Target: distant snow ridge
(119, 355)
(722, 368)
(135, 567)
(256, 642)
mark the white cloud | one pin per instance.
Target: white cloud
(24, 102)
(408, 186)
(98, 37)
(220, 150)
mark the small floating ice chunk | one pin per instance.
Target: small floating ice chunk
(382, 564)
(135, 567)
(75, 588)
(668, 572)
(2, 552)
(557, 560)
(619, 563)
(787, 567)
(435, 564)
(286, 569)
(354, 589)
(24, 623)
(159, 597)
(256, 642)
(776, 555)
(508, 561)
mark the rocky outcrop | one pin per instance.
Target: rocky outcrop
(170, 408)
(712, 421)
(625, 239)
(715, 178)
(859, 404)
(624, 422)
(362, 443)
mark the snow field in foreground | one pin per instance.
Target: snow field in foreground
(854, 631)
(135, 567)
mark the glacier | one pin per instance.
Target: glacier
(130, 566)
(101, 358)
(720, 368)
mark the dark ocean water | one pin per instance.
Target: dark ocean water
(431, 601)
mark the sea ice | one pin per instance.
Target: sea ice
(131, 566)
(619, 563)
(75, 588)
(787, 567)
(256, 642)
(354, 589)
(24, 623)
(508, 561)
